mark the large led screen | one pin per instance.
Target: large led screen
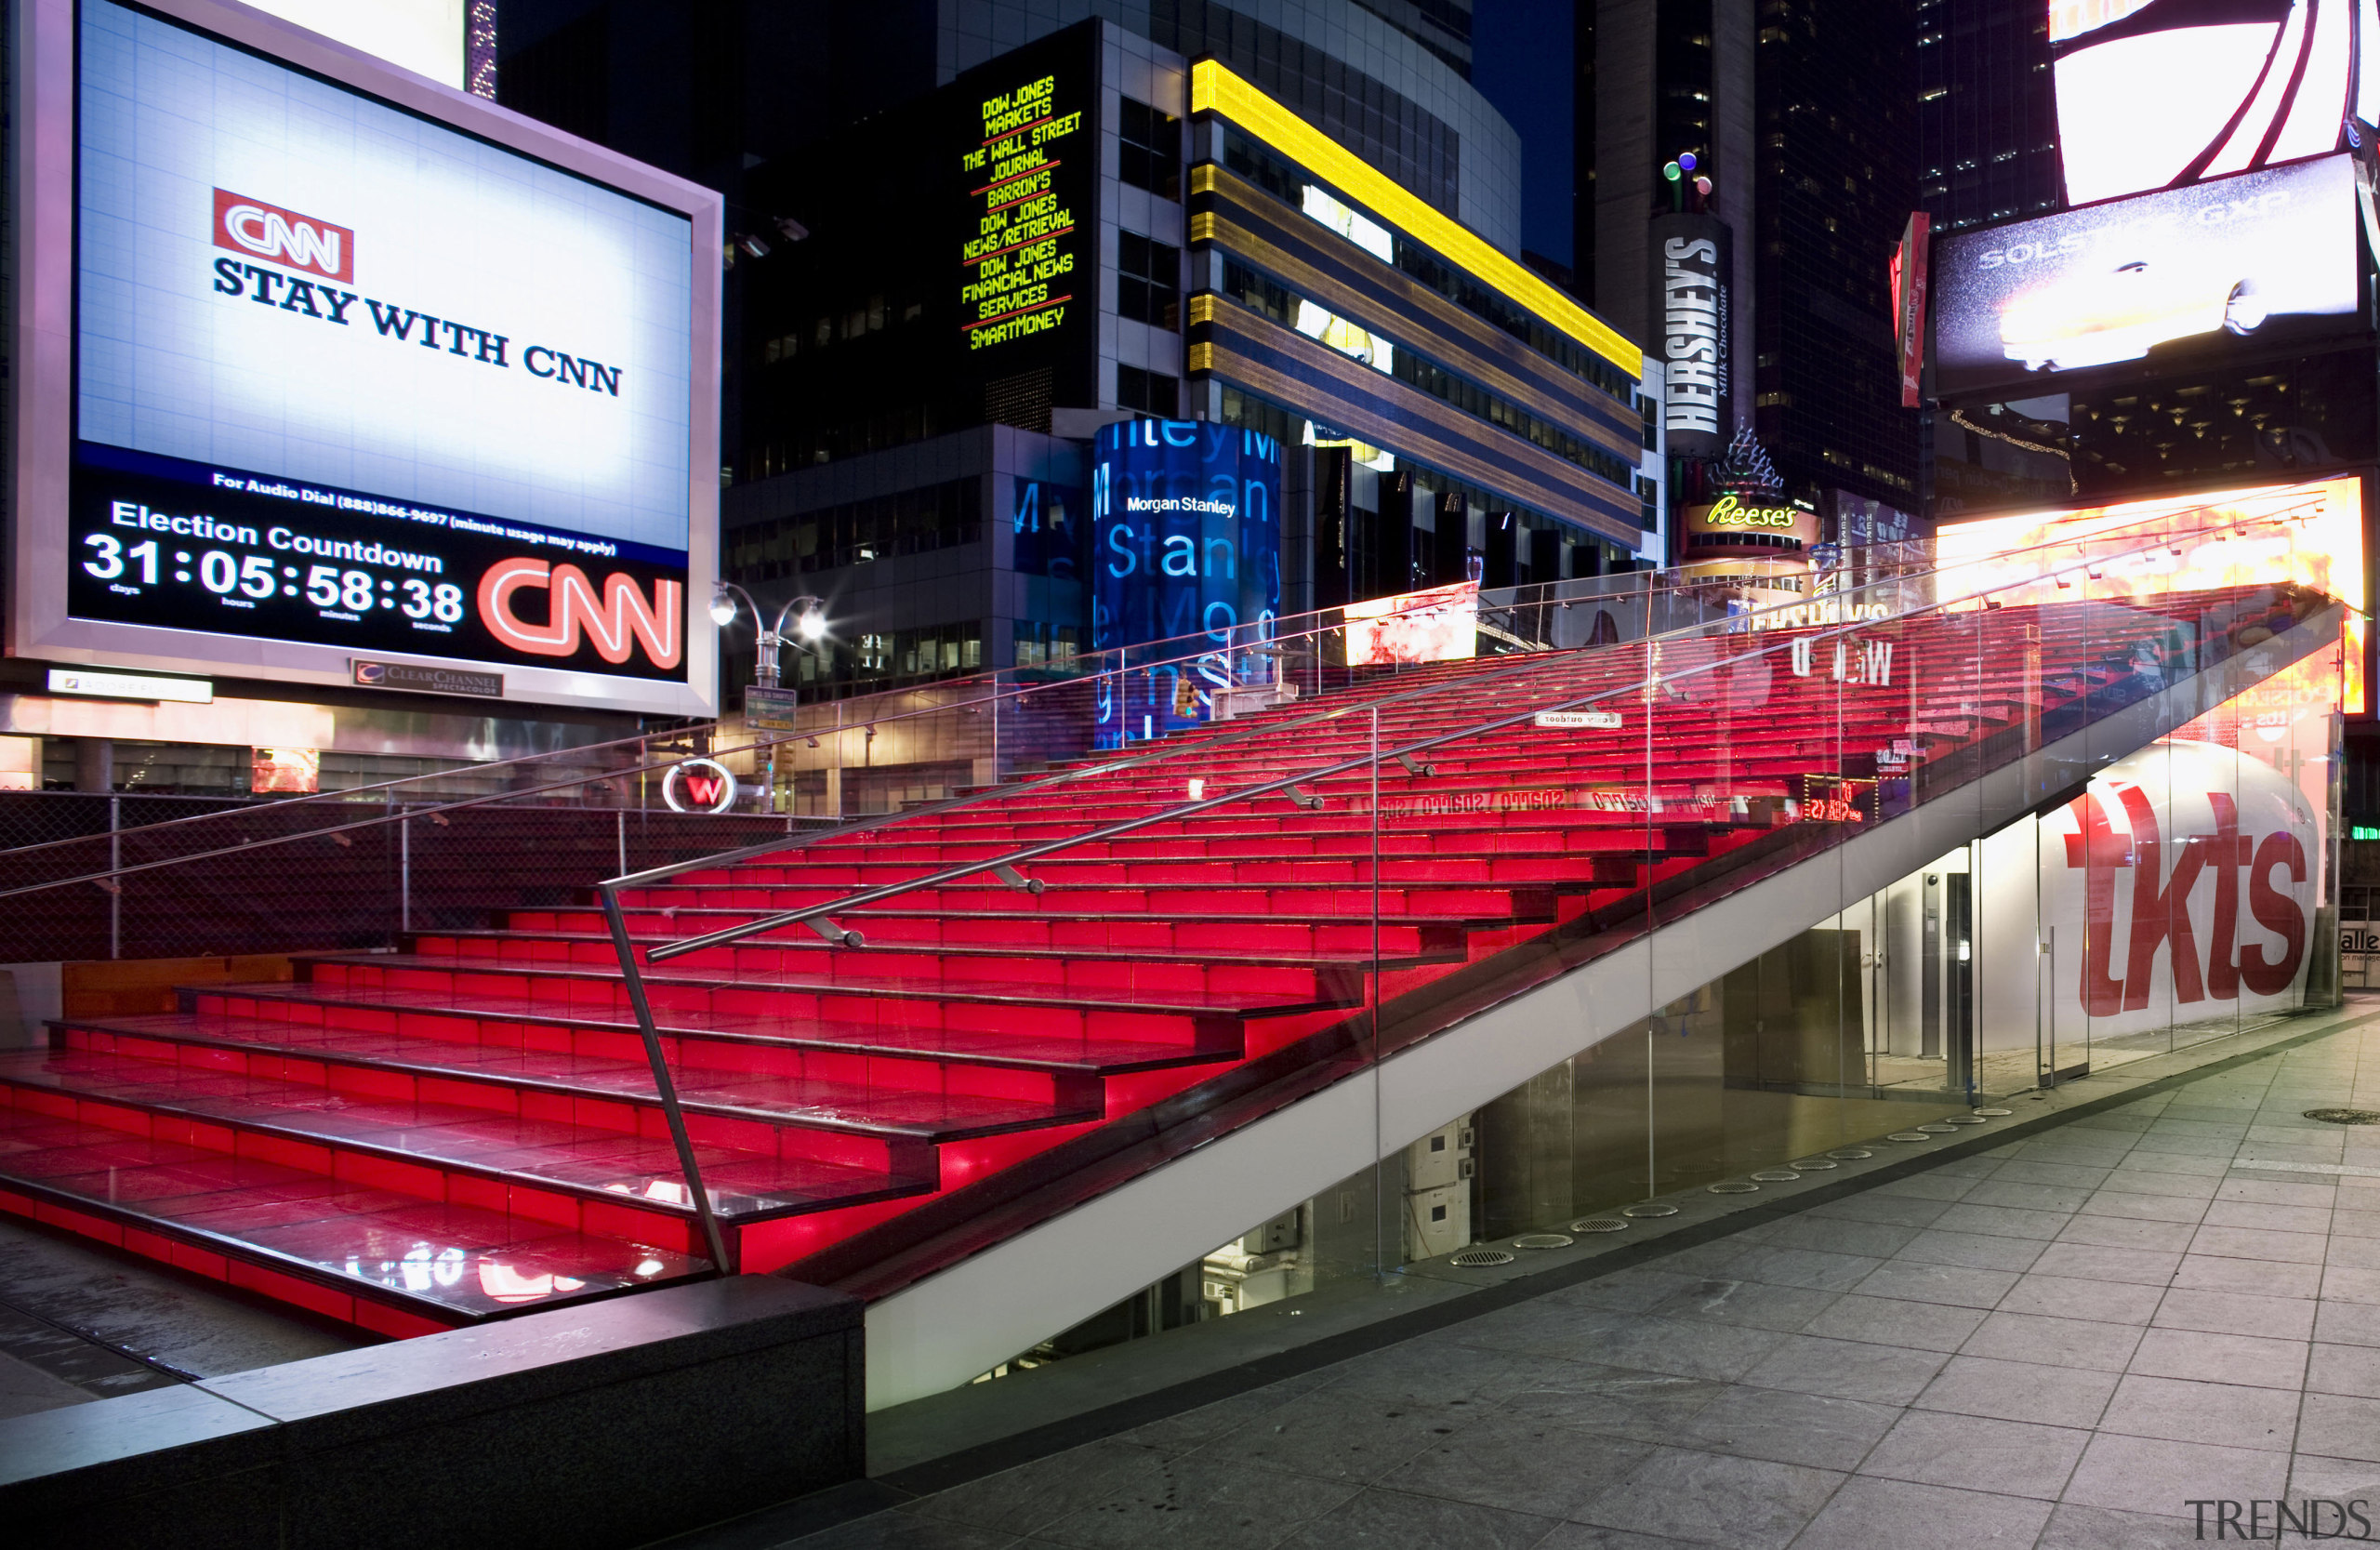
(1025, 141)
(347, 378)
(1186, 562)
(2157, 94)
(1439, 625)
(2316, 538)
(2217, 268)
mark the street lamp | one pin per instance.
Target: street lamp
(808, 629)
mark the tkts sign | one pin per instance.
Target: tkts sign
(2184, 887)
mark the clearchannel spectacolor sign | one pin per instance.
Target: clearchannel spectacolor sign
(358, 366)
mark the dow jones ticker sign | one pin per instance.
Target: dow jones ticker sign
(1025, 148)
(1186, 549)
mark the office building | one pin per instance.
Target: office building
(1811, 179)
(1216, 258)
(1987, 113)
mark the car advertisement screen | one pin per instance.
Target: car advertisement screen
(349, 377)
(2234, 264)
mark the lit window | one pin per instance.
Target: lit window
(1363, 452)
(1348, 338)
(1361, 229)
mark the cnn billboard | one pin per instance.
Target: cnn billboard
(347, 362)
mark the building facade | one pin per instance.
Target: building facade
(916, 418)
(1798, 116)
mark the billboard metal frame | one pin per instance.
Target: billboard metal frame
(44, 158)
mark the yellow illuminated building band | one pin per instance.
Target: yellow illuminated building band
(1214, 88)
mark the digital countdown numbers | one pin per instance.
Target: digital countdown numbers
(1025, 269)
(244, 579)
(152, 541)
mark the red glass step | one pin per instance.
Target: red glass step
(499, 1017)
(892, 957)
(374, 1257)
(1277, 981)
(617, 1169)
(792, 1006)
(796, 984)
(1058, 930)
(903, 1108)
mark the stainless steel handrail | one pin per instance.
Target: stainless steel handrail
(632, 974)
(249, 810)
(813, 914)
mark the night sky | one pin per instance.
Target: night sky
(1521, 62)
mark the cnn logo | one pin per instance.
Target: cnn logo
(283, 237)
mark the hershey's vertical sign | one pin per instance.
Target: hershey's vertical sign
(1692, 258)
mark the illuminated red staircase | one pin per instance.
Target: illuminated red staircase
(468, 1127)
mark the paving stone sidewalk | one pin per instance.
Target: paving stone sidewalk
(2059, 1343)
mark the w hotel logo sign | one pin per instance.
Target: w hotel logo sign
(283, 237)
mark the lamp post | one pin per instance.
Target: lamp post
(809, 629)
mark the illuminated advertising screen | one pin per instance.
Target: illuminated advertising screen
(348, 382)
(2157, 94)
(2324, 548)
(2240, 263)
(1911, 275)
(1024, 147)
(1439, 625)
(1185, 550)
(424, 36)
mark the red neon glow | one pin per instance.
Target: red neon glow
(616, 623)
